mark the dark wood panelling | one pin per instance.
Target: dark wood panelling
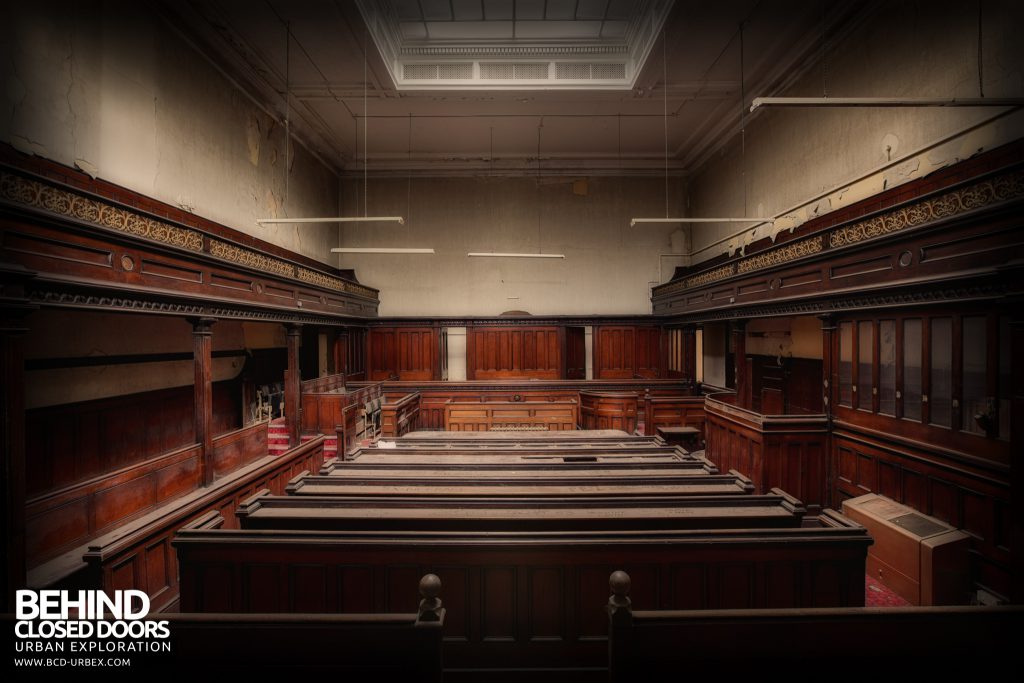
(608, 410)
(73, 442)
(73, 515)
(485, 416)
(558, 585)
(514, 352)
(403, 353)
(930, 480)
(399, 414)
(787, 452)
(628, 352)
(124, 560)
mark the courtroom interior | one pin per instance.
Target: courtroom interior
(562, 339)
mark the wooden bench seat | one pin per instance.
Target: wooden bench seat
(515, 597)
(774, 510)
(732, 483)
(647, 645)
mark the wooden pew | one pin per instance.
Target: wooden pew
(645, 645)
(517, 598)
(306, 484)
(595, 513)
(519, 463)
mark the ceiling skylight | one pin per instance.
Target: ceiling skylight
(514, 44)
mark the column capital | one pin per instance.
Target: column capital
(202, 325)
(293, 328)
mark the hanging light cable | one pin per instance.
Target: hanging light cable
(755, 220)
(365, 218)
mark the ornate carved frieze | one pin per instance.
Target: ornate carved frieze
(30, 192)
(250, 258)
(783, 254)
(968, 198)
(962, 200)
(328, 282)
(711, 276)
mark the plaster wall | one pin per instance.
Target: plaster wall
(109, 88)
(799, 163)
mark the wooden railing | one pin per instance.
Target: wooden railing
(608, 410)
(71, 516)
(399, 415)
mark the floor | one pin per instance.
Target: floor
(879, 595)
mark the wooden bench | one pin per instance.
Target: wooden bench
(517, 597)
(591, 437)
(596, 513)
(505, 464)
(646, 645)
(382, 484)
(687, 437)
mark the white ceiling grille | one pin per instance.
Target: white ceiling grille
(508, 71)
(438, 72)
(586, 71)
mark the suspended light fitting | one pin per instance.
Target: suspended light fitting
(742, 219)
(337, 219)
(379, 250)
(494, 254)
(886, 102)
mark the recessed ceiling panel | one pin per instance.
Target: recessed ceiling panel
(407, 9)
(469, 30)
(468, 10)
(530, 9)
(591, 9)
(560, 10)
(436, 10)
(499, 10)
(555, 30)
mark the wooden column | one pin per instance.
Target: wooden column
(739, 336)
(292, 378)
(202, 354)
(828, 332)
(14, 306)
(1016, 466)
(690, 353)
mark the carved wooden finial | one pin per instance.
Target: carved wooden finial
(619, 605)
(430, 605)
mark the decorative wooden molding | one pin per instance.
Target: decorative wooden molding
(33, 193)
(250, 258)
(989, 192)
(783, 254)
(29, 192)
(992, 191)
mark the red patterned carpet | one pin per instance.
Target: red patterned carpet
(879, 595)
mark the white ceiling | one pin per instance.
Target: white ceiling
(693, 77)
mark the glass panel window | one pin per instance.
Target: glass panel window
(846, 364)
(975, 403)
(887, 367)
(865, 361)
(941, 395)
(912, 369)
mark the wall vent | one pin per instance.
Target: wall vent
(587, 71)
(450, 71)
(513, 71)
